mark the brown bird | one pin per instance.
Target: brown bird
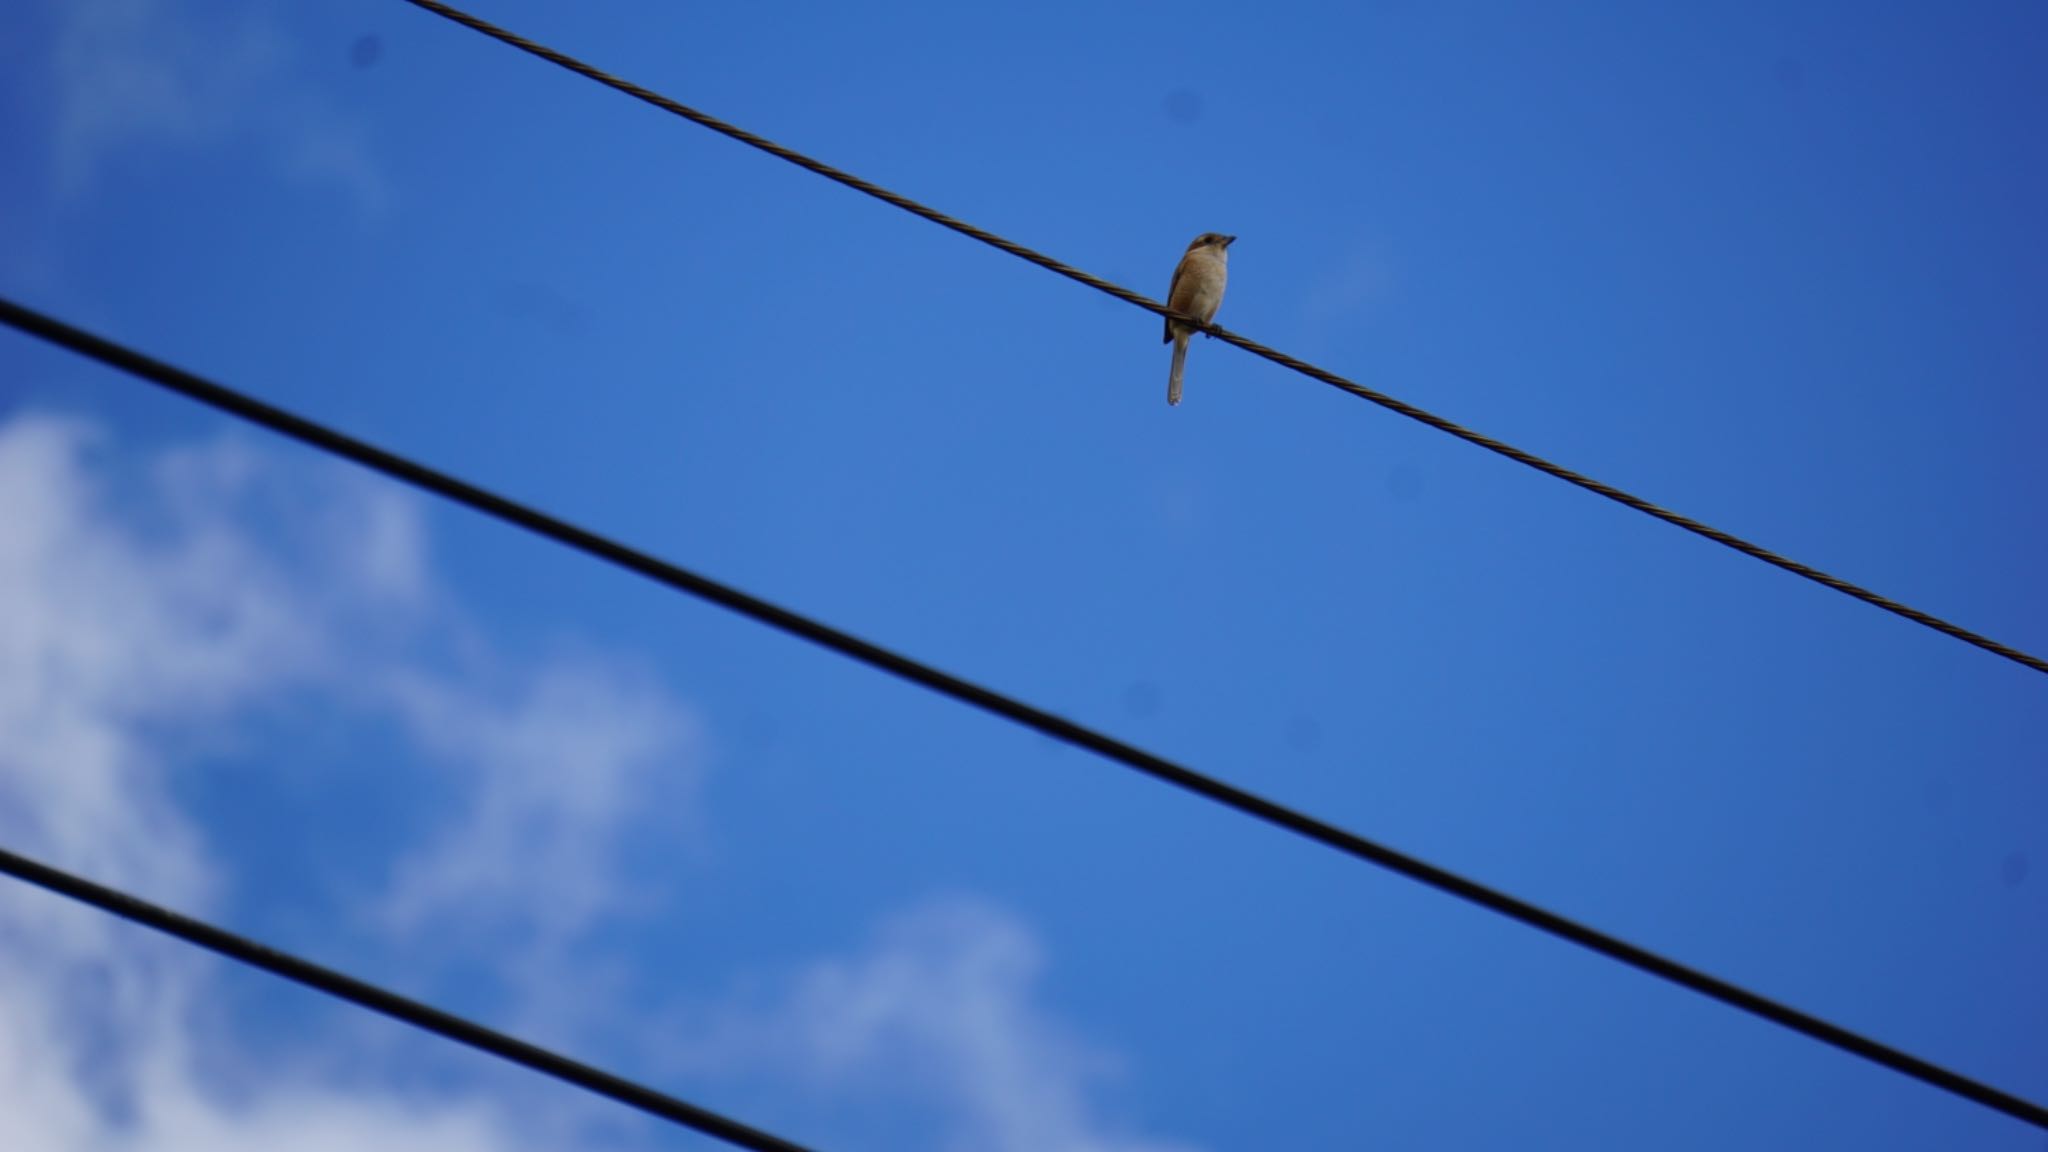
(1197, 291)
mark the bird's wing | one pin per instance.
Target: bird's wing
(1172, 290)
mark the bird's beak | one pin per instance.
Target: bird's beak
(1229, 240)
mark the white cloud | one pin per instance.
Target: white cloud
(941, 1009)
(142, 1088)
(161, 75)
(136, 603)
(104, 631)
(142, 603)
(559, 764)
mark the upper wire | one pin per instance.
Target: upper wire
(1059, 728)
(1391, 403)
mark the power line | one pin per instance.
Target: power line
(988, 700)
(1391, 403)
(387, 1003)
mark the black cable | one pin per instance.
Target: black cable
(388, 1003)
(1059, 728)
(1439, 423)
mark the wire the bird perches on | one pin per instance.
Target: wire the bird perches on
(1392, 404)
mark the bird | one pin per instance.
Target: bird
(1197, 291)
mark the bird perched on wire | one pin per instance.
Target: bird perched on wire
(1197, 291)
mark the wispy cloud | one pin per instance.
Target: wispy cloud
(98, 1051)
(556, 764)
(150, 75)
(189, 590)
(939, 1009)
(115, 628)
(102, 632)
(138, 601)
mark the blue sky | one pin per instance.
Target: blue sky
(1778, 269)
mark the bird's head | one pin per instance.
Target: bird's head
(1216, 240)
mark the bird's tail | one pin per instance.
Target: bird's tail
(1180, 359)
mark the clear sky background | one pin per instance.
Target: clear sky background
(1779, 267)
